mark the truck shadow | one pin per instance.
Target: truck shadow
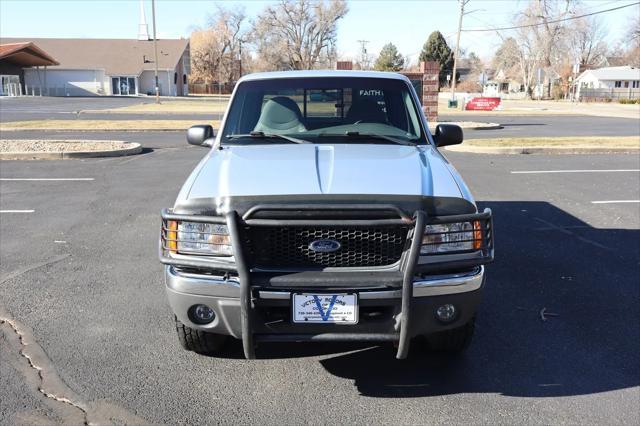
(545, 258)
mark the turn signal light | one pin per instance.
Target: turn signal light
(477, 235)
(172, 236)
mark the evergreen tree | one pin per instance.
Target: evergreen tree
(389, 59)
(436, 49)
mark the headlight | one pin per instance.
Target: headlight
(451, 237)
(199, 238)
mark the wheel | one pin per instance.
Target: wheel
(199, 341)
(452, 341)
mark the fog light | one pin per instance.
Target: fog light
(201, 314)
(446, 313)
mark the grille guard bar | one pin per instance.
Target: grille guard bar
(409, 265)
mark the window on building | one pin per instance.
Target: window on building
(636, 84)
(184, 79)
(626, 84)
(124, 86)
(618, 84)
(175, 78)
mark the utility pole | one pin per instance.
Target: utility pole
(364, 57)
(240, 62)
(463, 3)
(155, 49)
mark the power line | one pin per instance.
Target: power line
(550, 22)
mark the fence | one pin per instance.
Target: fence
(211, 88)
(604, 95)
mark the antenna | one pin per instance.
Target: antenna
(143, 29)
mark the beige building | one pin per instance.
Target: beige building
(94, 67)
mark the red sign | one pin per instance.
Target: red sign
(482, 104)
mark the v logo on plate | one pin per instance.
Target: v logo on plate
(325, 315)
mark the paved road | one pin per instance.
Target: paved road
(60, 108)
(550, 125)
(101, 316)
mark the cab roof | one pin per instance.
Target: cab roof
(322, 73)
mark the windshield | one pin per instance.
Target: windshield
(323, 110)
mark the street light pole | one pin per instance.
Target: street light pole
(240, 61)
(455, 56)
(155, 49)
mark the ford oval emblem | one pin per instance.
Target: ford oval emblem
(325, 246)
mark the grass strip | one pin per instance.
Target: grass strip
(103, 125)
(550, 142)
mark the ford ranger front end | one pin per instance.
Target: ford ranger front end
(324, 212)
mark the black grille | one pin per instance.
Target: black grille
(271, 247)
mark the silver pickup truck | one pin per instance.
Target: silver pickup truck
(324, 211)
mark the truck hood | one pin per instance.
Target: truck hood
(288, 169)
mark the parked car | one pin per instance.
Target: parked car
(310, 220)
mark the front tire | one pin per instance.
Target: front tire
(199, 341)
(452, 341)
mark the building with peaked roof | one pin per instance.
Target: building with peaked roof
(14, 58)
(90, 67)
(93, 67)
(609, 83)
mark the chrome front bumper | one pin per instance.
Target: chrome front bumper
(223, 296)
(219, 286)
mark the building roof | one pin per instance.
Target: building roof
(25, 55)
(323, 73)
(614, 73)
(116, 56)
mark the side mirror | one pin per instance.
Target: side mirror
(201, 135)
(448, 134)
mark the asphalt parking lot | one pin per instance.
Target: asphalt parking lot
(79, 268)
(82, 108)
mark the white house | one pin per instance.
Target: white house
(610, 81)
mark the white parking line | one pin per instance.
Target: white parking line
(615, 201)
(574, 171)
(17, 211)
(47, 179)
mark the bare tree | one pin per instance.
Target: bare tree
(529, 57)
(216, 49)
(543, 37)
(588, 40)
(548, 35)
(298, 34)
(507, 56)
(632, 39)
(633, 29)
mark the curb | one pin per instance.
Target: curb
(490, 126)
(484, 126)
(539, 150)
(134, 149)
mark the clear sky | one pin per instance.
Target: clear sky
(407, 24)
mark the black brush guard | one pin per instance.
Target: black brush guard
(482, 253)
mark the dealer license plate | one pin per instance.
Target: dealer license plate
(325, 308)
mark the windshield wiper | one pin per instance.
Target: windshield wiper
(263, 135)
(355, 134)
